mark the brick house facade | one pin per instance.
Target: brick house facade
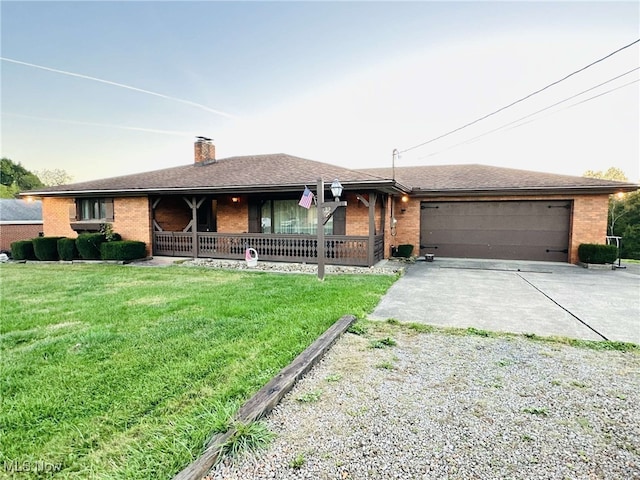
(214, 207)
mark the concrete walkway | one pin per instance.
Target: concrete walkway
(544, 298)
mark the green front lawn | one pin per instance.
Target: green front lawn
(110, 371)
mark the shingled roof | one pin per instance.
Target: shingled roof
(474, 178)
(20, 211)
(281, 173)
(253, 173)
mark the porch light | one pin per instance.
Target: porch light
(405, 198)
(325, 210)
(235, 199)
(336, 189)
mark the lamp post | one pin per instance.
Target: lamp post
(324, 216)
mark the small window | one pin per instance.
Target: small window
(92, 209)
(89, 213)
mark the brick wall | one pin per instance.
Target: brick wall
(589, 222)
(55, 214)
(10, 233)
(588, 218)
(233, 217)
(358, 215)
(408, 227)
(131, 218)
(172, 214)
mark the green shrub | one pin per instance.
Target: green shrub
(88, 245)
(597, 253)
(23, 250)
(631, 242)
(109, 234)
(404, 251)
(122, 250)
(67, 249)
(46, 248)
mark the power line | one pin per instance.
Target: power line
(521, 99)
(601, 94)
(501, 127)
(580, 102)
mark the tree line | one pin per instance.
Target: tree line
(14, 178)
(624, 213)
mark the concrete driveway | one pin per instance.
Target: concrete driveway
(543, 298)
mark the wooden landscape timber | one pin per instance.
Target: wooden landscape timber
(267, 397)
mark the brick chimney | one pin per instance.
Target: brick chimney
(205, 151)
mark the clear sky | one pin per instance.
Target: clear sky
(340, 82)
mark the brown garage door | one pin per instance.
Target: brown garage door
(518, 230)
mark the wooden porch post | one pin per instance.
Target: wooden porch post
(320, 229)
(194, 203)
(372, 228)
(194, 226)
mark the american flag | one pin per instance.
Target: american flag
(307, 198)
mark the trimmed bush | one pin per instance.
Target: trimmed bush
(23, 250)
(404, 251)
(67, 249)
(123, 250)
(597, 253)
(46, 248)
(88, 245)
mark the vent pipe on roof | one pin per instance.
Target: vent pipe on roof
(204, 151)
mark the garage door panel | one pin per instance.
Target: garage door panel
(512, 222)
(537, 253)
(535, 230)
(501, 237)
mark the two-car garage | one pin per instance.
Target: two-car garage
(518, 230)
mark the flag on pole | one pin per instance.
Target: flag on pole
(307, 198)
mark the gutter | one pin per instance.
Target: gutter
(595, 189)
(388, 186)
(21, 222)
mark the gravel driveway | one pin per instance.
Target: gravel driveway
(444, 406)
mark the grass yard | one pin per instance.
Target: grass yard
(110, 371)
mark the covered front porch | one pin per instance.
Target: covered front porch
(203, 227)
(339, 249)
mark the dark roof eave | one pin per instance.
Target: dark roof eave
(387, 186)
(560, 190)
